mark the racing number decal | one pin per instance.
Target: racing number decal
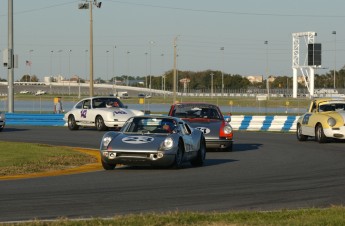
(83, 113)
(306, 119)
(205, 130)
(137, 139)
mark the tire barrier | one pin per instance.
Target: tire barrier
(238, 122)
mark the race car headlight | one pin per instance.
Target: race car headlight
(168, 143)
(106, 141)
(227, 129)
(331, 122)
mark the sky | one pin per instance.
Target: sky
(135, 37)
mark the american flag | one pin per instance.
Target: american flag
(28, 63)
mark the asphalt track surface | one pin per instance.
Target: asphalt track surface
(266, 171)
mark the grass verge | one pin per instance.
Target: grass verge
(329, 216)
(29, 158)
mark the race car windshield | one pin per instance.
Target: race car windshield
(332, 107)
(196, 111)
(150, 125)
(107, 103)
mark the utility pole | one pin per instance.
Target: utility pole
(89, 4)
(10, 62)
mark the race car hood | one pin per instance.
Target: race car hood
(210, 127)
(137, 142)
(338, 115)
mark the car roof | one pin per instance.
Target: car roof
(325, 100)
(158, 116)
(195, 103)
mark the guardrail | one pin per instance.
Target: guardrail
(238, 122)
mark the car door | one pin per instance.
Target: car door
(84, 114)
(187, 137)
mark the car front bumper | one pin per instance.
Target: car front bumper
(138, 158)
(338, 133)
(114, 124)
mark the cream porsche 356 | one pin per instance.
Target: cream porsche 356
(324, 120)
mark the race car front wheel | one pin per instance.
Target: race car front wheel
(108, 166)
(319, 134)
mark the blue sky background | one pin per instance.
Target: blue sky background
(202, 27)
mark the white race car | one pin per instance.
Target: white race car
(99, 112)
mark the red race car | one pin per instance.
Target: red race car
(209, 119)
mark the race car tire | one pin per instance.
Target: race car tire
(299, 134)
(100, 126)
(200, 159)
(108, 166)
(319, 134)
(72, 124)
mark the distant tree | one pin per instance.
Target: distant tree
(28, 78)
(99, 80)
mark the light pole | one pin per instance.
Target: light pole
(69, 72)
(60, 51)
(51, 62)
(89, 4)
(175, 70)
(151, 43)
(163, 76)
(222, 49)
(267, 81)
(107, 64)
(211, 85)
(335, 56)
(30, 61)
(51, 71)
(127, 67)
(114, 76)
(146, 71)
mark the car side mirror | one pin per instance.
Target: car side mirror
(125, 106)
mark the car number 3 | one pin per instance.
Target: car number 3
(205, 130)
(137, 139)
